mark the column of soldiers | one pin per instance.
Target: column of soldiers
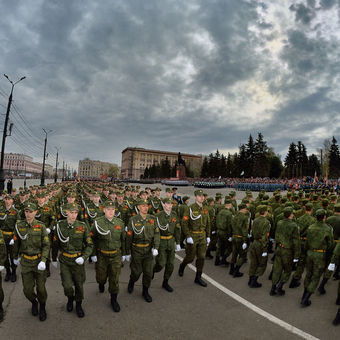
(67, 224)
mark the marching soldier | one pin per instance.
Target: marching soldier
(108, 234)
(170, 233)
(31, 242)
(142, 243)
(196, 228)
(72, 239)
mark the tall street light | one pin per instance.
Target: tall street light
(56, 166)
(4, 135)
(42, 182)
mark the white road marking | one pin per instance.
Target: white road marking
(254, 308)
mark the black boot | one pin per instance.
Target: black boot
(237, 272)
(232, 269)
(69, 306)
(217, 261)
(34, 307)
(199, 280)
(280, 291)
(8, 274)
(321, 288)
(336, 321)
(48, 273)
(270, 275)
(250, 280)
(14, 274)
(101, 287)
(146, 294)
(131, 285)
(294, 283)
(181, 269)
(208, 254)
(166, 286)
(305, 300)
(1, 312)
(79, 310)
(42, 312)
(336, 275)
(224, 261)
(337, 302)
(273, 291)
(114, 303)
(254, 283)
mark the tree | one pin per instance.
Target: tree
(113, 171)
(229, 166)
(242, 161)
(334, 160)
(291, 161)
(165, 170)
(250, 155)
(275, 166)
(205, 168)
(261, 166)
(301, 160)
(314, 165)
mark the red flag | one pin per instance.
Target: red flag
(326, 177)
(315, 177)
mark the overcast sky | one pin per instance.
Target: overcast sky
(189, 76)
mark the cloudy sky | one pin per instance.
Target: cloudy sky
(188, 76)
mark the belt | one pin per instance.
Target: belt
(336, 241)
(319, 250)
(31, 257)
(166, 237)
(7, 232)
(71, 255)
(198, 232)
(141, 245)
(303, 238)
(282, 246)
(239, 236)
(108, 251)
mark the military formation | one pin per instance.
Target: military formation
(65, 225)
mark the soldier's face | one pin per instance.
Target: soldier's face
(109, 212)
(167, 207)
(168, 194)
(158, 193)
(41, 200)
(96, 199)
(71, 215)
(71, 199)
(30, 215)
(8, 202)
(143, 208)
(199, 199)
(120, 199)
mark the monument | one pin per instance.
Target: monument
(180, 168)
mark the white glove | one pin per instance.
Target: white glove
(123, 258)
(230, 239)
(94, 259)
(127, 258)
(16, 262)
(331, 267)
(178, 247)
(264, 254)
(208, 240)
(41, 266)
(249, 235)
(2, 268)
(296, 260)
(154, 252)
(48, 230)
(271, 239)
(126, 229)
(244, 246)
(213, 232)
(80, 260)
(11, 242)
(55, 264)
(190, 240)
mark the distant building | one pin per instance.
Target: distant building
(88, 168)
(135, 160)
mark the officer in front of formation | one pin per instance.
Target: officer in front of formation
(108, 234)
(31, 242)
(196, 228)
(72, 238)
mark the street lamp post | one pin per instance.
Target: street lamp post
(4, 135)
(42, 182)
(56, 167)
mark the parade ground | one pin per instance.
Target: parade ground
(226, 309)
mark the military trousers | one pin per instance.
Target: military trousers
(197, 249)
(258, 263)
(213, 240)
(31, 278)
(315, 265)
(224, 247)
(165, 258)
(239, 256)
(1, 290)
(108, 268)
(301, 264)
(9, 253)
(283, 265)
(73, 278)
(141, 262)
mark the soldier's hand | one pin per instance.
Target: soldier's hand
(123, 258)
(154, 252)
(230, 239)
(296, 260)
(41, 266)
(48, 230)
(80, 260)
(55, 264)
(16, 261)
(178, 247)
(11, 242)
(213, 232)
(127, 258)
(190, 240)
(208, 240)
(264, 254)
(244, 246)
(2, 268)
(94, 259)
(331, 267)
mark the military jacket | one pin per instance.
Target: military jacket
(122, 212)
(261, 229)
(240, 226)
(155, 205)
(212, 217)
(169, 225)
(93, 211)
(108, 236)
(334, 221)
(319, 237)
(72, 241)
(196, 220)
(31, 239)
(8, 218)
(223, 223)
(2, 250)
(304, 222)
(287, 236)
(45, 214)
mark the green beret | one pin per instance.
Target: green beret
(167, 200)
(109, 203)
(227, 200)
(242, 206)
(320, 212)
(287, 211)
(71, 207)
(262, 209)
(29, 205)
(337, 207)
(140, 201)
(198, 192)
